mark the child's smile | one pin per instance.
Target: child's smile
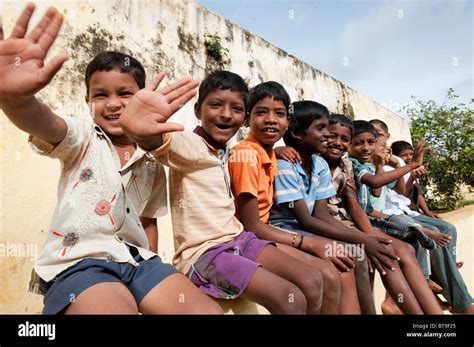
(109, 93)
(338, 142)
(268, 121)
(222, 113)
(363, 145)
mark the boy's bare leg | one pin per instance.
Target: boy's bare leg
(331, 280)
(364, 287)
(104, 298)
(178, 295)
(413, 275)
(349, 299)
(283, 298)
(400, 291)
(309, 278)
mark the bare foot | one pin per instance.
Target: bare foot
(389, 307)
(440, 239)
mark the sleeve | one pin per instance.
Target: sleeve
(72, 148)
(157, 205)
(243, 173)
(179, 151)
(324, 189)
(359, 171)
(286, 183)
(350, 190)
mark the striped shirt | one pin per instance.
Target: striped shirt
(201, 201)
(293, 184)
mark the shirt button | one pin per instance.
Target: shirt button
(128, 210)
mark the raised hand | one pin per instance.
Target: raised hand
(420, 150)
(145, 118)
(22, 57)
(419, 172)
(390, 160)
(378, 159)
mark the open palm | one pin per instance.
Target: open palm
(147, 113)
(22, 55)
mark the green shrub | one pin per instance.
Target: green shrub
(449, 130)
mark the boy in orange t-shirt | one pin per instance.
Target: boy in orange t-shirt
(252, 167)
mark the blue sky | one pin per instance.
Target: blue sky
(388, 50)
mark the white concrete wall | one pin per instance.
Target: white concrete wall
(165, 35)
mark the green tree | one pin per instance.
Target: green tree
(449, 130)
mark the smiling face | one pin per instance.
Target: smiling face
(268, 121)
(222, 112)
(339, 141)
(407, 155)
(363, 146)
(109, 93)
(316, 136)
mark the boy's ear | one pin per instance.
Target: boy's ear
(197, 111)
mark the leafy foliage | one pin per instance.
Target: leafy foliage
(215, 49)
(450, 132)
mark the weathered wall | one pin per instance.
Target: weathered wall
(165, 35)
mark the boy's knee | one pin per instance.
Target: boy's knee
(292, 300)
(331, 279)
(405, 250)
(314, 280)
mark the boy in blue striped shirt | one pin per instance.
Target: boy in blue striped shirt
(301, 193)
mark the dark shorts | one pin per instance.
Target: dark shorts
(69, 284)
(225, 270)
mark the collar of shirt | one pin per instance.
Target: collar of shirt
(262, 153)
(138, 154)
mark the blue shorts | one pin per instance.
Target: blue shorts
(139, 280)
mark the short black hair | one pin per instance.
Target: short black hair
(302, 115)
(268, 89)
(362, 126)
(382, 124)
(337, 118)
(399, 146)
(223, 80)
(110, 60)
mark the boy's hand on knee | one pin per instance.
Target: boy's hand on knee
(381, 253)
(22, 68)
(145, 118)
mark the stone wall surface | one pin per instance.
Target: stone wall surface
(165, 35)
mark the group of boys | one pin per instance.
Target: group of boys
(243, 221)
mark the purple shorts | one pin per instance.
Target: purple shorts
(225, 270)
